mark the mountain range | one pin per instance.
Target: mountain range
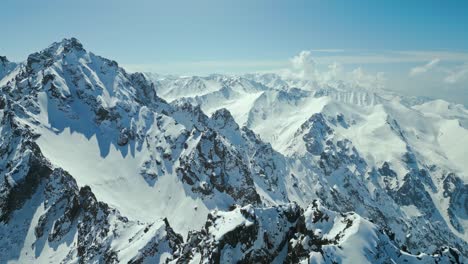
(99, 165)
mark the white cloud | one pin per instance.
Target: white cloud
(424, 68)
(335, 71)
(359, 77)
(457, 75)
(303, 66)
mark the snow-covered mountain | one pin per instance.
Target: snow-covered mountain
(98, 165)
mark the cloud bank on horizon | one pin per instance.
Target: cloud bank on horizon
(303, 66)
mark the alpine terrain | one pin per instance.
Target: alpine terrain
(99, 165)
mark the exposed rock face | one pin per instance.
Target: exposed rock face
(318, 132)
(457, 192)
(23, 166)
(212, 165)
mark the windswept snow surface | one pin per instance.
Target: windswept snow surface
(116, 179)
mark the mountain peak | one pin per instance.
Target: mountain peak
(222, 118)
(6, 66)
(56, 51)
(3, 60)
(65, 46)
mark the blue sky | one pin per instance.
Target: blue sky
(198, 37)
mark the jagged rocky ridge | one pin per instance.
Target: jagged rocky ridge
(53, 210)
(290, 234)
